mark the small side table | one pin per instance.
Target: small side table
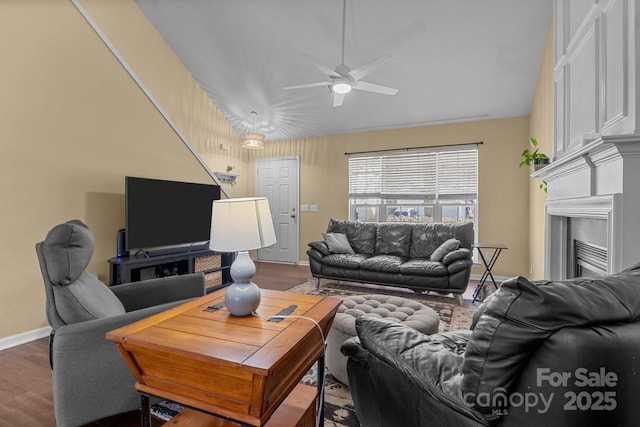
(488, 265)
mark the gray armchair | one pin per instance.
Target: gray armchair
(90, 378)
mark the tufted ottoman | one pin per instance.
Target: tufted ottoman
(403, 310)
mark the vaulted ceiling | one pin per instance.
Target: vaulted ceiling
(452, 60)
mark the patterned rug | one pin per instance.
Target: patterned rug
(339, 409)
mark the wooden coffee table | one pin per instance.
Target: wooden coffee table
(240, 368)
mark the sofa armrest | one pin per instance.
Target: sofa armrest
(321, 247)
(81, 352)
(152, 292)
(432, 362)
(315, 254)
(456, 255)
(353, 349)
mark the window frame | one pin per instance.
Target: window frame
(371, 199)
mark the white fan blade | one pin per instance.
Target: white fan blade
(337, 99)
(308, 85)
(371, 87)
(322, 67)
(370, 67)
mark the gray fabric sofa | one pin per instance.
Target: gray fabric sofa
(544, 353)
(91, 380)
(423, 257)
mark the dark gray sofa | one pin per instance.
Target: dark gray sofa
(423, 257)
(544, 353)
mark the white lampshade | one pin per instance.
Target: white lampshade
(241, 224)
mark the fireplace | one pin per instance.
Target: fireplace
(594, 198)
(588, 260)
(595, 173)
(588, 253)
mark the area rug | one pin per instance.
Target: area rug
(339, 409)
(452, 316)
(338, 405)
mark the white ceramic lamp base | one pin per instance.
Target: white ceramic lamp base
(243, 296)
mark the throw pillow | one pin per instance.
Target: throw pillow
(445, 248)
(338, 243)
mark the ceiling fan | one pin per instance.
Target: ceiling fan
(343, 79)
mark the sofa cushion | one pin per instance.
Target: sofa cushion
(67, 250)
(446, 247)
(384, 263)
(423, 267)
(87, 298)
(361, 235)
(337, 243)
(521, 315)
(427, 237)
(351, 261)
(393, 239)
(79, 295)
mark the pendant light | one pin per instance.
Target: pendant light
(253, 140)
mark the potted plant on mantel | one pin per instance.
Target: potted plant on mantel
(535, 159)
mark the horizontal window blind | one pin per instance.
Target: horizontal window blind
(423, 175)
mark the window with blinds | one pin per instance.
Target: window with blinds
(425, 186)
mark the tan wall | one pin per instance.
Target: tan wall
(72, 125)
(541, 127)
(503, 188)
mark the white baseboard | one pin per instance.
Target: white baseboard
(499, 279)
(25, 337)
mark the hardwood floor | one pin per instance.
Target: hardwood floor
(26, 396)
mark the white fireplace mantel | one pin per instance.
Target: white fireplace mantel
(597, 167)
(601, 180)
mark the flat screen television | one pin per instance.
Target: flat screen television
(167, 216)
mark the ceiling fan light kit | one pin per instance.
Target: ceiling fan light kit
(253, 140)
(341, 87)
(343, 79)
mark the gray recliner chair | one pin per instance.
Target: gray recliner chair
(90, 378)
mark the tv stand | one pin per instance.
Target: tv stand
(214, 265)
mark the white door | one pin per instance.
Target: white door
(277, 180)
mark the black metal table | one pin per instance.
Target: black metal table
(488, 264)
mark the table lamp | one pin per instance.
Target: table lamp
(239, 225)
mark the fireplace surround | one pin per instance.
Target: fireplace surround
(595, 173)
(600, 181)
